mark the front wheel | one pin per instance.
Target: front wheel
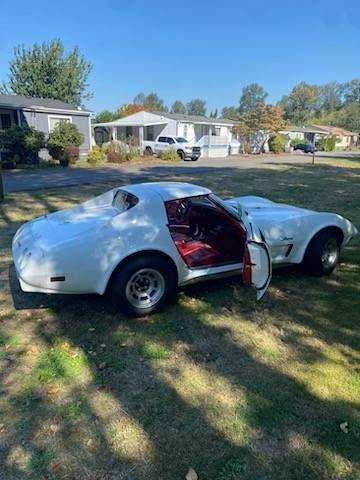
(322, 254)
(143, 285)
(181, 154)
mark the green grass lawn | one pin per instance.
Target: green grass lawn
(234, 388)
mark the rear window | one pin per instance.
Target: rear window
(123, 200)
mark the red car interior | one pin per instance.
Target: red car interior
(204, 233)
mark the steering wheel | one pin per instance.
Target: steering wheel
(182, 209)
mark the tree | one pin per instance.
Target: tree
(255, 126)
(251, 96)
(128, 109)
(214, 114)
(330, 96)
(197, 106)
(302, 104)
(178, 107)
(152, 101)
(45, 71)
(106, 116)
(349, 117)
(351, 91)
(232, 113)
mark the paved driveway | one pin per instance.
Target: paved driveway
(18, 180)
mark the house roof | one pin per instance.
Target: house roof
(309, 129)
(21, 102)
(181, 117)
(337, 130)
(147, 117)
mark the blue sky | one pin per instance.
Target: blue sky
(197, 48)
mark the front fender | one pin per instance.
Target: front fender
(329, 221)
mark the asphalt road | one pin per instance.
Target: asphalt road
(19, 180)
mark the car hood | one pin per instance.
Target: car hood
(262, 208)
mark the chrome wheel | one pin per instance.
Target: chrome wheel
(330, 253)
(145, 288)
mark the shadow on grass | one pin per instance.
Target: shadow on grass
(278, 427)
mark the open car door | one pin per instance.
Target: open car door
(257, 269)
(257, 266)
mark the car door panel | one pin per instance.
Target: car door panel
(257, 269)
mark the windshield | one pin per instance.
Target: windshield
(181, 140)
(123, 200)
(226, 206)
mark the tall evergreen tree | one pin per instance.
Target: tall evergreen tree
(45, 71)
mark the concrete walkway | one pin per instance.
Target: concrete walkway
(19, 180)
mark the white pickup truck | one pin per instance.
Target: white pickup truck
(184, 149)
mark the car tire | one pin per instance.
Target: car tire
(148, 151)
(181, 154)
(143, 285)
(322, 254)
(193, 159)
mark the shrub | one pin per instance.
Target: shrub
(23, 143)
(109, 147)
(326, 144)
(64, 135)
(295, 141)
(69, 156)
(169, 155)
(96, 155)
(73, 152)
(114, 157)
(128, 148)
(276, 143)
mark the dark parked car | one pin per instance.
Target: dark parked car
(305, 147)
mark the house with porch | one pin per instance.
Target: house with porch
(213, 135)
(344, 139)
(43, 114)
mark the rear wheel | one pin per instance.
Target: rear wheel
(143, 285)
(148, 151)
(322, 254)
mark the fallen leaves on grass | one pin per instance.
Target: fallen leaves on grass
(89, 443)
(57, 467)
(53, 390)
(344, 427)
(54, 427)
(191, 475)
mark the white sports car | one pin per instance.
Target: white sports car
(142, 241)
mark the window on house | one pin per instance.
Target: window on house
(149, 133)
(5, 120)
(217, 131)
(185, 130)
(53, 121)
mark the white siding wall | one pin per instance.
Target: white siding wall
(186, 130)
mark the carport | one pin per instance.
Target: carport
(142, 126)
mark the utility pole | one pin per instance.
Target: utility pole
(1, 188)
(313, 153)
